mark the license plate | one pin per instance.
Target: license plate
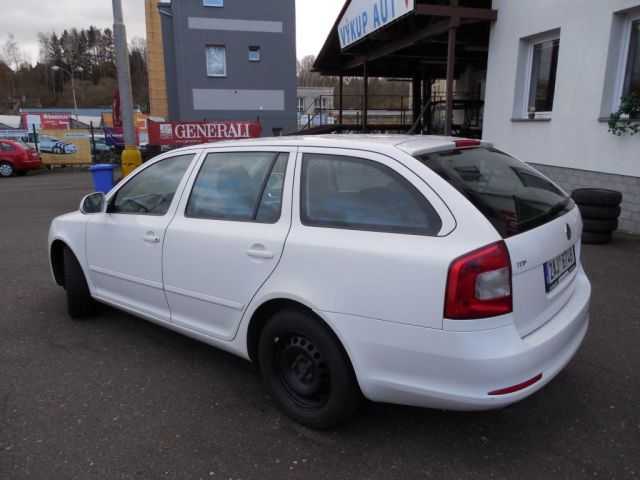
(558, 268)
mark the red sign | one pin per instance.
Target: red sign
(47, 121)
(187, 133)
(115, 108)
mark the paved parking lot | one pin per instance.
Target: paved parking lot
(117, 397)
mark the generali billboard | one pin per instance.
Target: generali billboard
(46, 121)
(187, 133)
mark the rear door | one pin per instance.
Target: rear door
(539, 222)
(227, 236)
(368, 239)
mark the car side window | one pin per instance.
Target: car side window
(151, 191)
(239, 186)
(5, 147)
(354, 193)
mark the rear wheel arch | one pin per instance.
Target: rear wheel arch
(264, 312)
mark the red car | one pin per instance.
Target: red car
(18, 158)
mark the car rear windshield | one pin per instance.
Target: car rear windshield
(514, 197)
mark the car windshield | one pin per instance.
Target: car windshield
(515, 198)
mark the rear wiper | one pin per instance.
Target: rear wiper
(540, 219)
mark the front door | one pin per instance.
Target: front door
(227, 237)
(124, 245)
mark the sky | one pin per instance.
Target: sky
(25, 18)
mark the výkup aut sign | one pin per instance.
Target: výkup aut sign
(364, 17)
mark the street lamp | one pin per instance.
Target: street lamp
(58, 68)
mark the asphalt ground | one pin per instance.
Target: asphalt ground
(116, 397)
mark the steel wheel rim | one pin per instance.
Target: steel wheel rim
(302, 371)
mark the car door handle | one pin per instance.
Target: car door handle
(151, 237)
(259, 251)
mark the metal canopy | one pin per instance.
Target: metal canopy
(415, 43)
(438, 39)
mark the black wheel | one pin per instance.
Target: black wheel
(306, 370)
(591, 238)
(6, 169)
(79, 301)
(593, 212)
(600, 226)
(597, 196)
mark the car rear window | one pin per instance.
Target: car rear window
(514, 197)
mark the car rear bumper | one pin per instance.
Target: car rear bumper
(413, 365)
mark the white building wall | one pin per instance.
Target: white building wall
(574, 138)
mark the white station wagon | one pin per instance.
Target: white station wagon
(426, 271)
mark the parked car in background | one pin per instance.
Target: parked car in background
(49, 144)
(426, 271)
(17, 158)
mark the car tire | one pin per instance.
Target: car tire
(6, 169)
(591, 238)
(80, 304)
(600, 226)
(597, 196)
(593, 212)
(306, 370)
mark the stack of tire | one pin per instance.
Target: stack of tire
(600, 210)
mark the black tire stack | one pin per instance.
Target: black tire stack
(600, 210)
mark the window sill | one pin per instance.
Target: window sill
(527, 120)
(606, 119)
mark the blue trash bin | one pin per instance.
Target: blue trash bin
(102, 177)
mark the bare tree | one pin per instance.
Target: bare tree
(11, 53)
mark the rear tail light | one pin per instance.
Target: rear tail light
(479, 284)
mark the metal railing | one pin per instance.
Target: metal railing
(396, 113)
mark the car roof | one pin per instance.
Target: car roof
(411, 144)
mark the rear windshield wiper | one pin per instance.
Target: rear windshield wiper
(562, 206)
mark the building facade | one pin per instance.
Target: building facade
(155, 61)
(231, 60)
(557, 69)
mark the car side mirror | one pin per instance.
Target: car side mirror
(92, 203)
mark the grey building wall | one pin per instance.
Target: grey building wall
(572, 179)
(265, 89)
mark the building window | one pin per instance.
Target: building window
(631, 82)
(216, 61)
(300, 104)
(213, 3)
(541, 82)
(254, 54)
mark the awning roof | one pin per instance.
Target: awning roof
(414, 43)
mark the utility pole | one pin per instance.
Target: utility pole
(131, 157)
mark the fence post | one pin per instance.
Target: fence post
(36, 141)
(93, 142)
